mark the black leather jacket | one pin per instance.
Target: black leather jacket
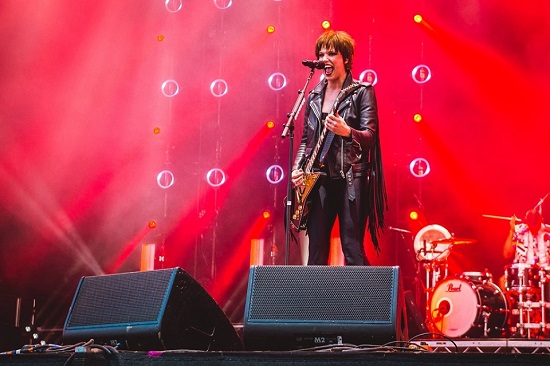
(359, 110)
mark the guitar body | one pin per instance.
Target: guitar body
(301, 199)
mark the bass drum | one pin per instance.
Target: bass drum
(463, 308)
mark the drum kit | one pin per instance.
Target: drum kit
(466, 305)
(470, 304)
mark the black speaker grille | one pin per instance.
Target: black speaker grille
(321, 293)
(111, 299)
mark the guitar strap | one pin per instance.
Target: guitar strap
(326, 145)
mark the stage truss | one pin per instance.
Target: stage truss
(509, 345)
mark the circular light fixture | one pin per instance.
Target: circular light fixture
(170, 88)
(419, 167)
(223, 4)
(165, 179)
(215, 177)
(421, 74)
(173, 6)
(369, 76)
(277, 81)
(274, 174)
(218, 88)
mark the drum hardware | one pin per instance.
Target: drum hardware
(542, 276)
(528, 284)
(432, 259)
(483, 277)
(425, 247)
(528, 312)
(486, 316)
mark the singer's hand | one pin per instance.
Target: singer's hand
(297, 177)
(338, 125)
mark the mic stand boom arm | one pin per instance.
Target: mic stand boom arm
(289, 131)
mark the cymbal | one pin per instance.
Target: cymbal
(454, 241)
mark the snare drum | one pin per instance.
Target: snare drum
(463, 308)
(521, 276)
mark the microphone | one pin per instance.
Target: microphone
(314, 64)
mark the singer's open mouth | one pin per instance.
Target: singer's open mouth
(329, 70)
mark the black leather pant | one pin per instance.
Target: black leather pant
(332, 200)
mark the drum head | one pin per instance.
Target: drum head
(424, 248)
(453, 307)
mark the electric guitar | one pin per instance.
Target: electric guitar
(301, 196)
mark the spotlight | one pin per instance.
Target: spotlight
(270, 124)
(417, 219)
(266, 214)
(418, 18)
(152, 224)
(417, 117)
(270, 29)
(325, 24)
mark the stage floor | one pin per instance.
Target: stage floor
(508, 356)
(474, 352)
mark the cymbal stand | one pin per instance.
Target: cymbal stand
(542, 301)
(433, 269)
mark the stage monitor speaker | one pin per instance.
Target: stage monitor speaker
(150, 310)
(297, 307)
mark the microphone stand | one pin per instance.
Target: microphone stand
(289, 131)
